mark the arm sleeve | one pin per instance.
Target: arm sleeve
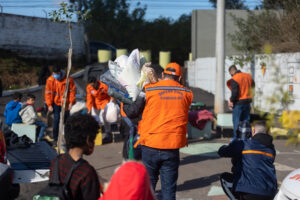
(49, 93)
(89, 98)
(135, 109)
(234, 91)
(91, 186)
(72, 90)
(32, 113)
(234, 149)
(253, 84)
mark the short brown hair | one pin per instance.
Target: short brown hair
(232, 67)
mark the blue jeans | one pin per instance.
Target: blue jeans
(240, 113)
(163, 162)
(56, 111)
(43, 127)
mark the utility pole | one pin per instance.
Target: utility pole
(220, 55)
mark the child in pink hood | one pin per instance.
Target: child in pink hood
(130, 182)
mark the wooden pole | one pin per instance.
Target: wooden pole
(61, 138)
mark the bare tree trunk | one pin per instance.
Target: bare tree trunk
(61, 138)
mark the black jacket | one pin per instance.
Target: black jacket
(134, 111)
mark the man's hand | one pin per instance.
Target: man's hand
(230, 104)
(113, 99)
(70, 106)
(50, 108)
(89, 112)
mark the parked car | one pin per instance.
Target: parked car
(95, 46)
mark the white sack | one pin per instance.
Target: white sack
(111, 112)
(131, 74)
(78, 106)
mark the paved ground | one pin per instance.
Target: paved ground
(199, 170)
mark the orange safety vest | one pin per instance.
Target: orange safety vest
(97, 98)
(244, 81)
(50, 90)
(55, 90)
(123, 114)
(165, 117)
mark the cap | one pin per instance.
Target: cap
(173, 69)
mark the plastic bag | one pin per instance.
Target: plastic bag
(109, 80)
(111, 112)
(114, 69)
(131, 74)
(122, 61)
(78, 106)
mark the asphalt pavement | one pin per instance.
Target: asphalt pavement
(199, 170)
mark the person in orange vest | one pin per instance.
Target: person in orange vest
(55, 88)
(96, 101)
(241, 85)
(163, 128)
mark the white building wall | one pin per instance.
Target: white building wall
(202, 74)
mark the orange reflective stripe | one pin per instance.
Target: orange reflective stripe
(258, 152)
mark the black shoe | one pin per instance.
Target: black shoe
(107, 139)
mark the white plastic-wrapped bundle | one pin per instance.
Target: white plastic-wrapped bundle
(78, 106)
(131, 74)
(122, 61)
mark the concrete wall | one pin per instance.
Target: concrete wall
(34, 37)
(204, 32)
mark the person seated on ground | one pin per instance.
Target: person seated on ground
(80, 134)
(12, 110)
(29, 115)
(254, 175)
(130, 182)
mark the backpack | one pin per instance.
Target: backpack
(56, 190)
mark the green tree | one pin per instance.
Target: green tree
(280, 29)
(112, 21)
(231, 4)
(277, 4)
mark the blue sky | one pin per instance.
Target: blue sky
(155, 8)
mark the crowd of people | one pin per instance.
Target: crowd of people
(159, 116)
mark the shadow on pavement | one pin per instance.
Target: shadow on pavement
(198, 182)
(109, 166)
(198, 158)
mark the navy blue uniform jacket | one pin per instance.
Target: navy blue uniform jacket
(254, 170)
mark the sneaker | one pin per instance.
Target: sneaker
(48, 138)
(107, 139)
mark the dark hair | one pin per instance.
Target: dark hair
(170, 76)
(78, 128)
(56, 69)
(17, 95)
(158, 69)
(92, 79)
(232, 67)
(30, 96)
